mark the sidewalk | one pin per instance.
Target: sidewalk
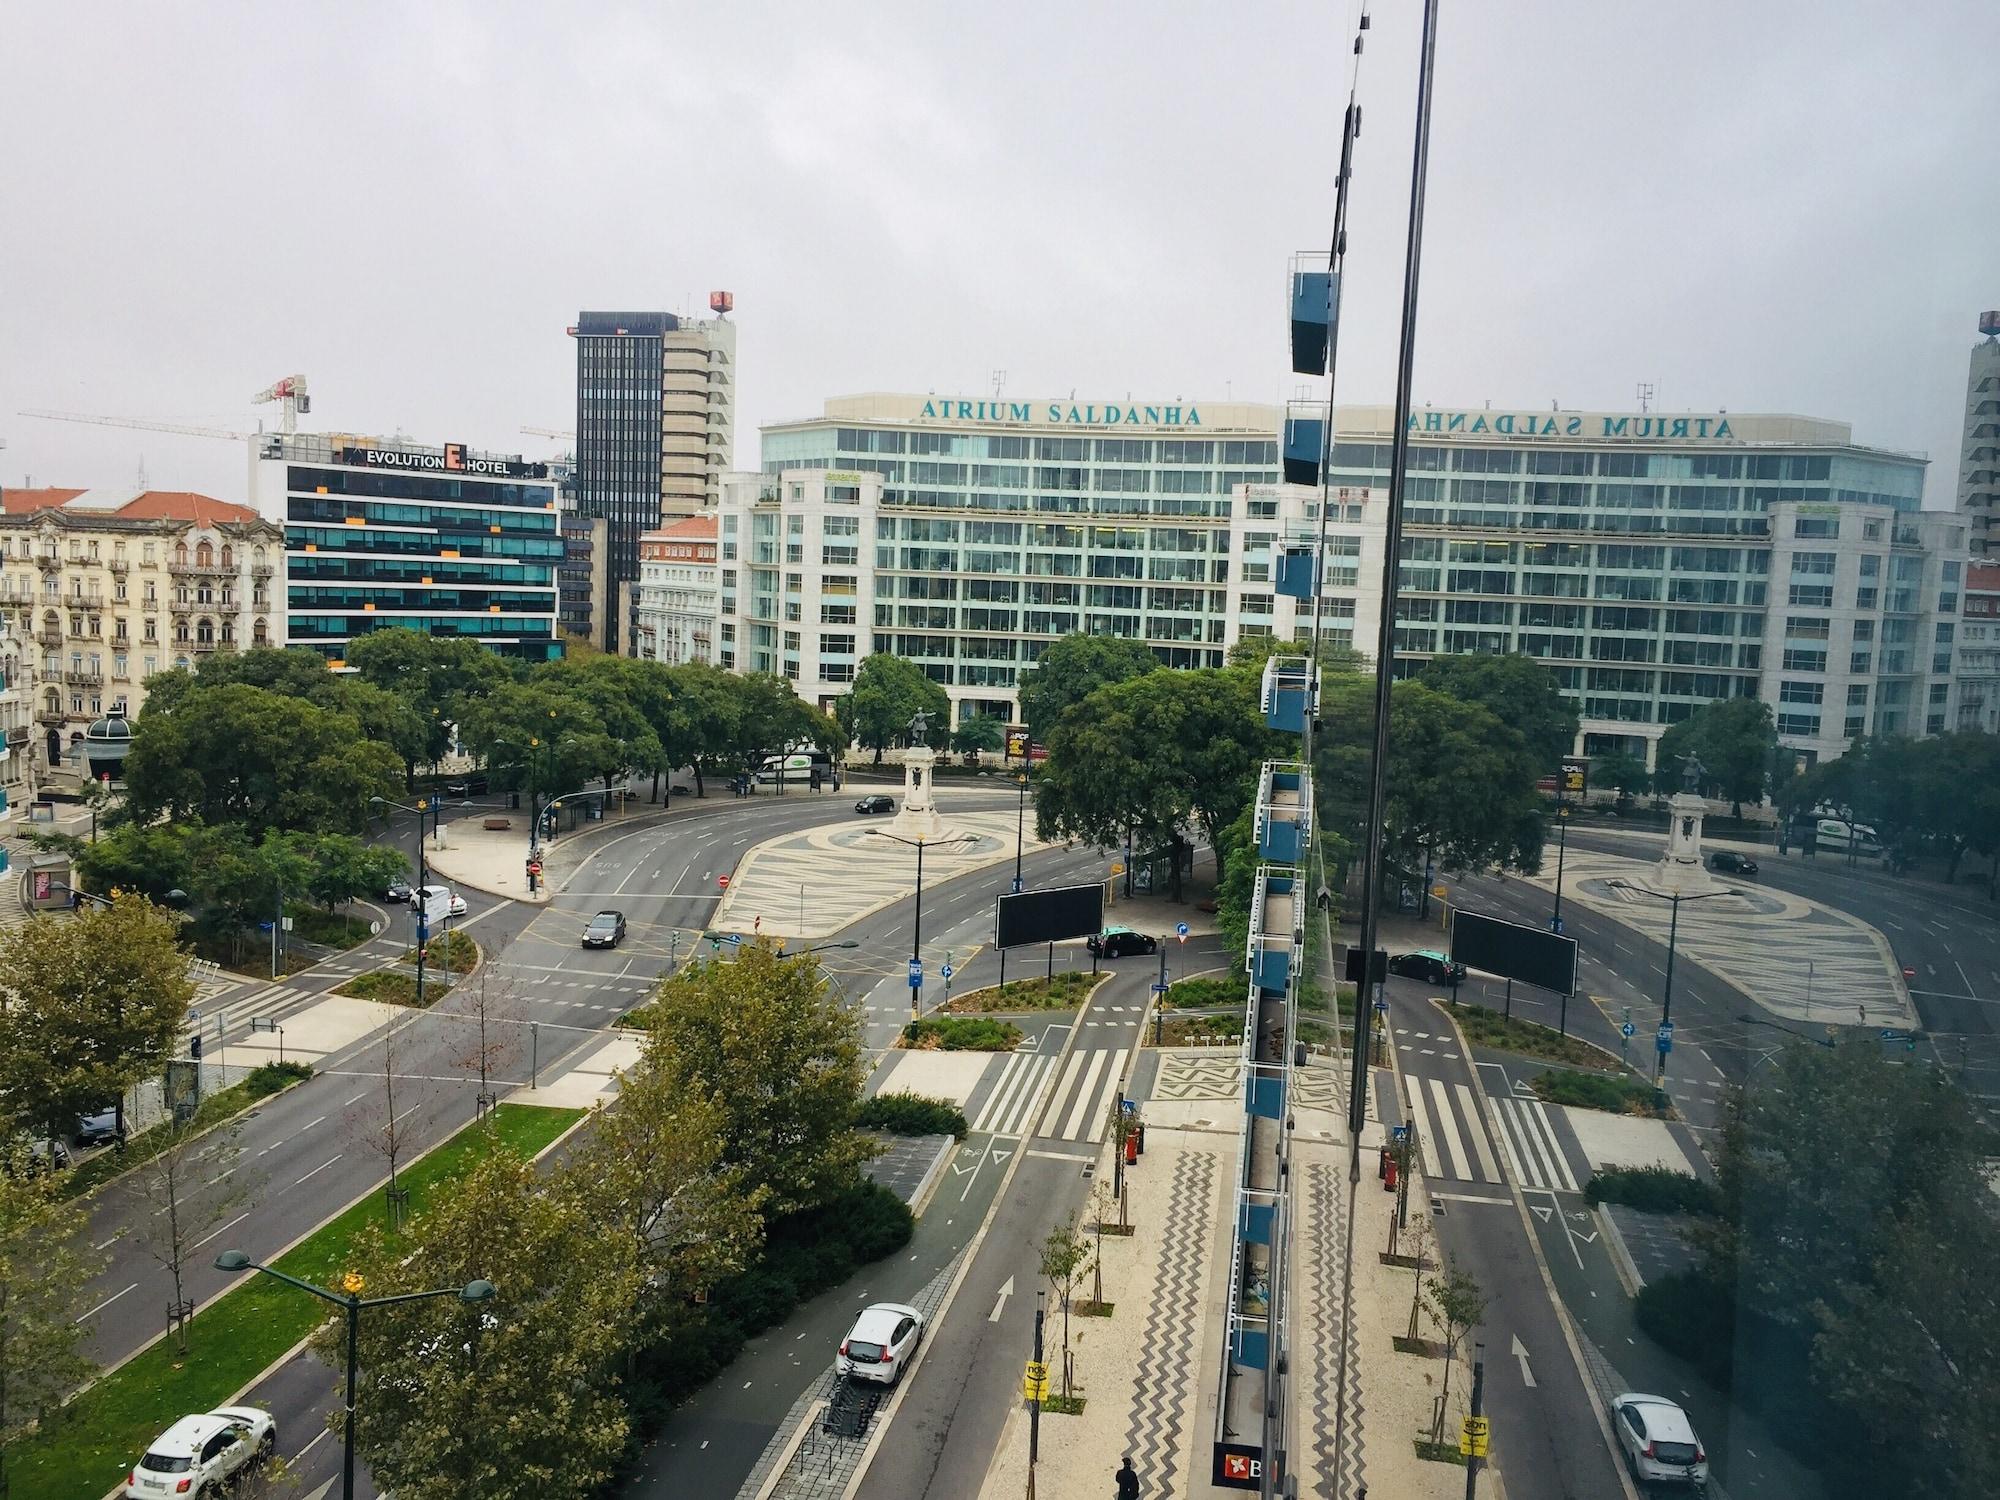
(495, 860)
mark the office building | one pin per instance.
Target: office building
(108, 587)
(583, 578)
(446, 540)
(1979, 650)
(1654, 562)
(655, 424)
(679, 593)
(1979, 457)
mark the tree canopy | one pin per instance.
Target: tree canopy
(1737, 742)
(1520, 692)
(888, 692)
(1073, 668)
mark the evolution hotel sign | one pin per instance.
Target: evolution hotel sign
(1563, 424)
(1062, 413)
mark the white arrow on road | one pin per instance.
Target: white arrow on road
(1000, 1302)
(1520, 1353)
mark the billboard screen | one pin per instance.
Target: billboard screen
(1067, 911)
(1576, 776)
(1512, 951)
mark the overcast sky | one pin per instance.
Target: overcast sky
(1769, 207)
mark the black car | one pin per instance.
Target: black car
(677, 790)
(877, 804)
(398, 890)
(606, 930)
(1121, 942)
(1428, 965)
(468, 786)
(100, 1128)
(1732, 864)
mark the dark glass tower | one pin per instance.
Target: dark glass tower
(619, 400)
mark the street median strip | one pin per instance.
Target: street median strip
(86, 1449)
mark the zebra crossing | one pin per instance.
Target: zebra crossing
(1077, 1097)
(1455, 1145)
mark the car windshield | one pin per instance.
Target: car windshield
(603, 923)
(166, 1463)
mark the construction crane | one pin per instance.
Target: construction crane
(551, 432)
(291, 394)
(144, 426)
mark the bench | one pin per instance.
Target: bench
(497, 825)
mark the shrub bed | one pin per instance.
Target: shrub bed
(393, 987)
(1206, 993)
(330, 929)
(1614, 1093)
(1484, 1027)
(960, 1034)
(1188, 1031)
(904, 1113)
(1067, 993)
(451, 950)
(1659, 1190)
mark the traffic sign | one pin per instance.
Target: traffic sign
(1889, 1034)
(1556, 925)
(1664, 1037)
(722, 881)
(1159, 989)
(944, 973)
(1628, 1029)
(1181, 931)
(916, 974)
(1035, 1382)
(1473, 1436)
(1381, 1006)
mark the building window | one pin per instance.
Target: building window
(1805, 725)
(1811, 595)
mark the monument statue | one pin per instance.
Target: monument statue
(920, 728)
(1682, 869)
(918, 818)
(1692, 771)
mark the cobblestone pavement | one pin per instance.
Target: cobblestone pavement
(1166, 1380)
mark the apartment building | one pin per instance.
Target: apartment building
(679, 594)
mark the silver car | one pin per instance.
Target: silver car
(1658, 1440)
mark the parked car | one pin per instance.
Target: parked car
(879, 1345)
(1732, 864)
(40, 1151)
(606, 930)
(1658, 1440)
(1428, 965)
(203, 1456)
(398, 890)
(467, 786)
(100, 1128)
(1119, 942)
(876, 804)
(677, 790)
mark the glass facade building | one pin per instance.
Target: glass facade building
(445, 540)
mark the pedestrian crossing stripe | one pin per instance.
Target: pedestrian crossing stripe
(1533, 1152)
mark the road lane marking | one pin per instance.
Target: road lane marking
(318, 1169)
(1420, 1117)
(1062, 1156)
(1085, 1095)
(106, 1303)
(1461, 1166)
(213, 1233)
(1487, 1166)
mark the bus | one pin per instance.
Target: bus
(798, 767)
(1830, 836)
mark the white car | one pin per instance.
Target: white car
(879, 1345)
(434, 895)
(203, 1456)
(1658, 1439)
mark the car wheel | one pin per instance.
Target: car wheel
(267, 1444)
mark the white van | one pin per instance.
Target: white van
(1831, 836)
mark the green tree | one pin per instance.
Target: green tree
(1160, 755)
(773, 719)
(334, 867)
(980, 733)
(1736, 739)
(538, 736)
(512, 1399)
(44, 1273)
(769, 1044)
(243, 754)
(1073, 668)
(1065, 1261)
(615, 689)
(89, 1005)
(178, 1195)
(151, 858)
(888, 692)
(1625, 774)
(1520, 692)
(703, 721)
(296, 672)
(1456, 1304)
(437, 676)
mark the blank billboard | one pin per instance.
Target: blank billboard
(1067, 911)
(1513, 951)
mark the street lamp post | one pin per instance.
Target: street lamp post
(1673, 934)
(1562, 848)
(917, 928)
(423, 805)
(350, 1300)
(1020, 829)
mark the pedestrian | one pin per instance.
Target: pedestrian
(1128, 1481)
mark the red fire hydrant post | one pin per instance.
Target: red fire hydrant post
(1389, 1175)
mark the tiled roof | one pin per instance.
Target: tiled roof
(185, 505)
(699, 528)
(20, 502)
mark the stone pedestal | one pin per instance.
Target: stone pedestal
(917, 818)
(1681, 870)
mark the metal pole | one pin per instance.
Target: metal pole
(1160, 1000)
(916, 939)
(278, 921)
(423, 906)
(1020, 829)
(1474, 1465)
(1034, 1404)
(353, 1367)
(1385, 652)
(1667, 1000)
(1562, 848)
(534, 1054)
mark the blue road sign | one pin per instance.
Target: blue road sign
(916, 974)
(1159, 989)
(1017, 885)
(1399, 1132)
(1556, 925)
(1664, 1038)
(1628, 1029)
(1381, 1006)
(1180, 929)
(1889, 1034)
(945, 973)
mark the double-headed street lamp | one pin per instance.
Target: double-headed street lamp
(917, 930)
(422, 806)
(349, 1299)
(1562, 848)
(1673, 933)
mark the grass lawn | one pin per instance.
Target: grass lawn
(392, 987)
(86, 1451)
(329, 928)
(1067, 993)
(1490, 1028)
(454, 950)
(260, 1083)
(1618, 1094)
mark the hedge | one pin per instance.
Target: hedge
(961, 1034)
(1614, 1093)
(1656, 1189)
(905, 1113)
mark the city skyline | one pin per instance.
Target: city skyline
(219, 261)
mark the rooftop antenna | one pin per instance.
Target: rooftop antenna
(999, 383)
(1645, 396)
